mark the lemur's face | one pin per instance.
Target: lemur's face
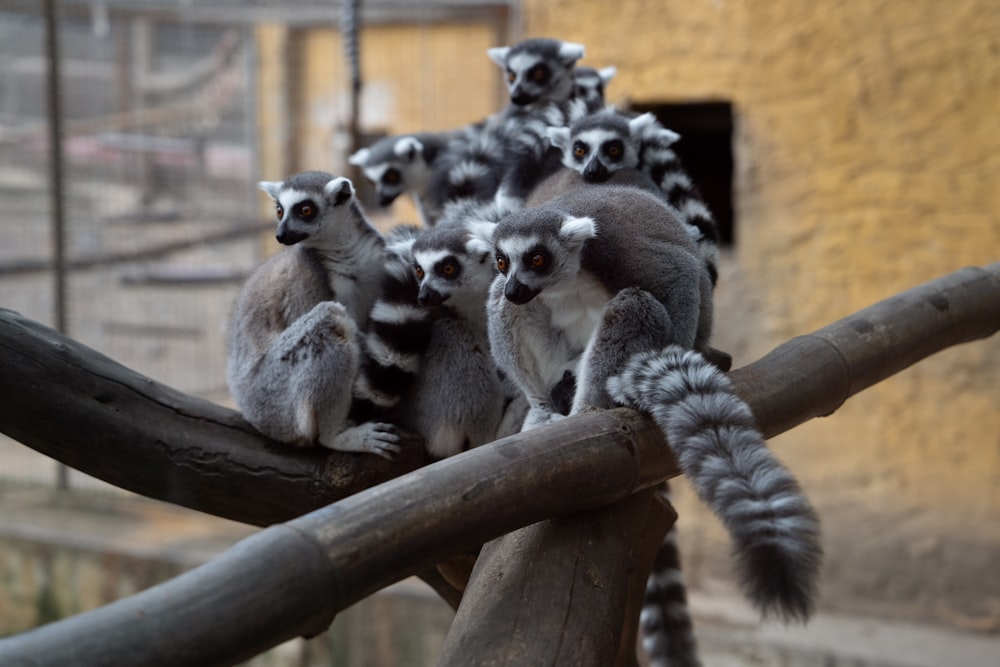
(538, 70)
(598, 153)
(307, 210)
(538, 250)
(389, 179)
(530, 78)
(394, 165)
(451, 266)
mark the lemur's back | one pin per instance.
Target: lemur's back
(641, 242)
(277, 293)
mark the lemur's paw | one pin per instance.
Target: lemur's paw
(376, 438)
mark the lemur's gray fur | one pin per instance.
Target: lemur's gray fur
(590, 280)
(712, 432)
(538, 70)
(294, 333)
(537, 343)
(459, 399)
(434, 167)
(590, 84)
(599, 144)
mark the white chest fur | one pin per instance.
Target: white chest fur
(577, 308)
(355, 284)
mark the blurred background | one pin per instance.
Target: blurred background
(849, 150)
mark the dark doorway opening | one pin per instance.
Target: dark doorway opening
(706, 151)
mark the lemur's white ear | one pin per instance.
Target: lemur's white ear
(578, 230)
(360, 157)
(577, 109)
(569, 52)
(339, 189)
(607, 73)
(401, 248)
(498, 55)
(408, 148)
(480, 236)
(640, 124)
(558, 136)
(663, 136)
(271, 188)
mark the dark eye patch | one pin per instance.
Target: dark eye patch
(614, 149)
(448, 268)
(306, 210)
(539, 74)
(538, 259)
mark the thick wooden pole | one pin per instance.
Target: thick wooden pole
(93, 414)
(254, 596)
(812, 375)
(561, 592)
(83, 409)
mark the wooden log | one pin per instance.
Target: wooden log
(123, 424)
(85, 410)
(131, 431)
(812, 375)
(140, 435)
(252, 597)
(561, 592)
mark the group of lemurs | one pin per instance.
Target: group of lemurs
(565, 263)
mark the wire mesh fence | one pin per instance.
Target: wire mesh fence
(161, 223)
(170, 111)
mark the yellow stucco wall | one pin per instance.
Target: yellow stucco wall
(416, 78)
(867, 151)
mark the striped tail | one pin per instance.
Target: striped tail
(662, 164)
(718, 447)
(667, 630)
(397, 334)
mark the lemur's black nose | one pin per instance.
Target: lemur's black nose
(430, 297)
(519, 293)
(596, 172)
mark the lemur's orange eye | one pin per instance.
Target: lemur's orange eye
(614, 151)
(448, 270)
(419, 272)
(307, 211)
(539, 74)
(539, 260)
(281, 212)
(579, 149)
(511, 77)
(501, 264)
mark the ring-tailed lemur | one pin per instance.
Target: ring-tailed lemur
(459, 399)
(434, 168)
(590, 84)
(601, 143)
(294, 334)
(397, 334)
(563, 301)
(538, 70)
(713, 435)
(545, 252)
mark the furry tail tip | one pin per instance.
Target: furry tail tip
(712, 433)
